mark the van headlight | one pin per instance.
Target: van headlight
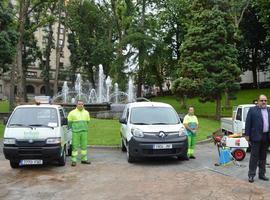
(137, 132)
(182, 131)
(53, 141)
(9, 141)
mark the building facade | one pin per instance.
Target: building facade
(34, 80)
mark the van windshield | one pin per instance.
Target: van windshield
(34, 117)
(153, 115)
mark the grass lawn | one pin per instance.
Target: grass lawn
(1, 129)
(4, 106)
(104, 132)
(208, 109)
(206, 128)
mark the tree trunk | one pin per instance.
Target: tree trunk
(227, 99)
(59, 48)
(12, 87)
(254, 68)
(24, 76)
(92, 79)
(184, 102)
(46, 71)
(141, 53)
(160, 89)
(23, 8)
(218, 108)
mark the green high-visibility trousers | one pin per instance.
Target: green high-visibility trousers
(191, 144)
(79, 139)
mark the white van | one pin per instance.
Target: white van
(152, 129)
(37, 134)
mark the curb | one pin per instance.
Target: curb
(205, 141)
(102, 147)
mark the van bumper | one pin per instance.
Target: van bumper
(139, 147)
(46, 154)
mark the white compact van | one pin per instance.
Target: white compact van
(37, 134)
(152, 129)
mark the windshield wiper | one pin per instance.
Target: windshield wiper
(21, 125)
(140, 123)
(159, 123)
(41, 125)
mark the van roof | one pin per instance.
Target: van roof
(148, 104)
(39, 106)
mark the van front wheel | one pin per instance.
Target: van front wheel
(14, 164)
(62, 160)
(130, 158)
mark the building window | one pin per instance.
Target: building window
(30, 89)
(1, 89)
(42, 90)
(61, 65)
(61, 42)
(31, 74)
(62, 53)
(61, 30)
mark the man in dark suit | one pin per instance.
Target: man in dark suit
(257, 132)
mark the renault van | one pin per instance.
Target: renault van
(152, 129)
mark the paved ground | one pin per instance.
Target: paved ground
(111, 177)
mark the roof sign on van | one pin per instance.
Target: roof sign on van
(42, 99)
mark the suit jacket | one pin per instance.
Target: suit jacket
(254, 124)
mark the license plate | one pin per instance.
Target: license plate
(31, 162)
(163, 146)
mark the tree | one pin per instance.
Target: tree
(8, 35)
(48, 48)
(208, 54)
(89, 39)
(27, 8)
(8, 41)
(254, 49)
(263, 8)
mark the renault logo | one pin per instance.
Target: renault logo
(30, 141)
(162, 134)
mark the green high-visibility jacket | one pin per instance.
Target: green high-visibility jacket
(79, 120)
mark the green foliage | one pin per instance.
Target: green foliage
(90, 37)
(8, 35)
(183, 86)
(208, 55)
(263, 7)
(254, 50)
(2, 127)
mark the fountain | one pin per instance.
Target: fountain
(130, 90)
(65, 92)
(105, 97)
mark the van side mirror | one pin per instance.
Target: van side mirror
(5, 120)
(123, 120)
(64, 121)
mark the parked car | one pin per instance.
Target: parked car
(37, 134)
(151, 129)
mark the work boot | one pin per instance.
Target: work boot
(87, 162)
(263, 177)
(251, 179)
(73, 164)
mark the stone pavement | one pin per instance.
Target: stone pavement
(111, 177)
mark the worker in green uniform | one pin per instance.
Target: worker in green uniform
(191, 124)
(78, 120)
